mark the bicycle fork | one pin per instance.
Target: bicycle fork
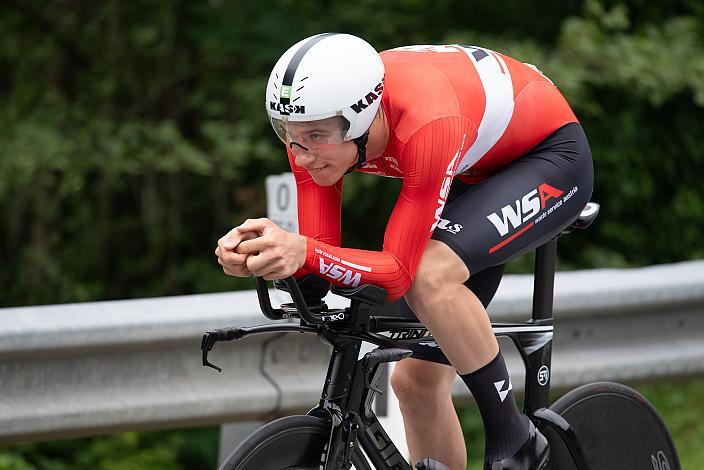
(346, 402)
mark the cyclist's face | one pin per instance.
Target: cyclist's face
(318, 146)
(326, 166)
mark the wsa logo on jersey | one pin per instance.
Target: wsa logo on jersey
(336, 272)
(445, 187)
(524, 209)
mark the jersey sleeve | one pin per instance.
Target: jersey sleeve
(428, 162)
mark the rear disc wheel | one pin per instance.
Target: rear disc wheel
(617, 428)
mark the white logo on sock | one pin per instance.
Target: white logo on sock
(502, 393)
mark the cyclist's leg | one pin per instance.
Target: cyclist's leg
(424, 387)
(519, 208)
(557, 177)
(432, 428)
(460, 325)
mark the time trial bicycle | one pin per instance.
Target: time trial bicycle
(598, 426)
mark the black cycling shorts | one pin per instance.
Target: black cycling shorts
(522, 206)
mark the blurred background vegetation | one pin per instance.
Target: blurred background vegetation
(133, 134)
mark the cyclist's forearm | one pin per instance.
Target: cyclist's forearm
(350, 267)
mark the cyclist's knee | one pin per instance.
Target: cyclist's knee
(420, 383)
(439, 268)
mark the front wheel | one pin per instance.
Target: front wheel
(290, 443)
(617, 428)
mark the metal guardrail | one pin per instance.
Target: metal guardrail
(84, 369)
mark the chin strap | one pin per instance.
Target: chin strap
(361, 142)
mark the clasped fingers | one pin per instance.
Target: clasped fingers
(233, 264)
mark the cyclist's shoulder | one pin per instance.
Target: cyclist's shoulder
(421, 70)
(424, 84)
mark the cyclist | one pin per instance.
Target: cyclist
(493, 162)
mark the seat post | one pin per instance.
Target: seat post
(544, 280)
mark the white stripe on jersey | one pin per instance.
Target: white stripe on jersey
(366, 269)
(498, 90)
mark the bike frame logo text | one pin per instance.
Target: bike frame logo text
(660, 461)
(410, 334)
(381, 441)
(543, 375)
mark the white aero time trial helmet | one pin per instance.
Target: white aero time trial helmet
(324, 90)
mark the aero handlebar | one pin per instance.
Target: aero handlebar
(298, 300)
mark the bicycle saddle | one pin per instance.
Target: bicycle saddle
(585, 218)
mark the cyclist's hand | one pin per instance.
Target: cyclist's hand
(275, 253)
(233, 262)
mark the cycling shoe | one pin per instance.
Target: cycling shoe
(533, 455)
(430, 464)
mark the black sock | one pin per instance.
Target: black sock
(505, 427)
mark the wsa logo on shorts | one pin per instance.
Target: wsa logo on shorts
(524, 209)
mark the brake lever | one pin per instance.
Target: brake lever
(212, 337)
(206, 345)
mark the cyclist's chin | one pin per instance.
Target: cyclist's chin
(326, 176)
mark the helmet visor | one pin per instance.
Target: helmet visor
(314, 135)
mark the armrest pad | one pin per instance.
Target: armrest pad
(366, 293)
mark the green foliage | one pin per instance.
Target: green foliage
(681, 405)
(133, 134)
(164, 450)
(638, 92)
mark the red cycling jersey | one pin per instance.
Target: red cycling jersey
(453, 112)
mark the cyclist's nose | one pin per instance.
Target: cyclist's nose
(304, 158)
